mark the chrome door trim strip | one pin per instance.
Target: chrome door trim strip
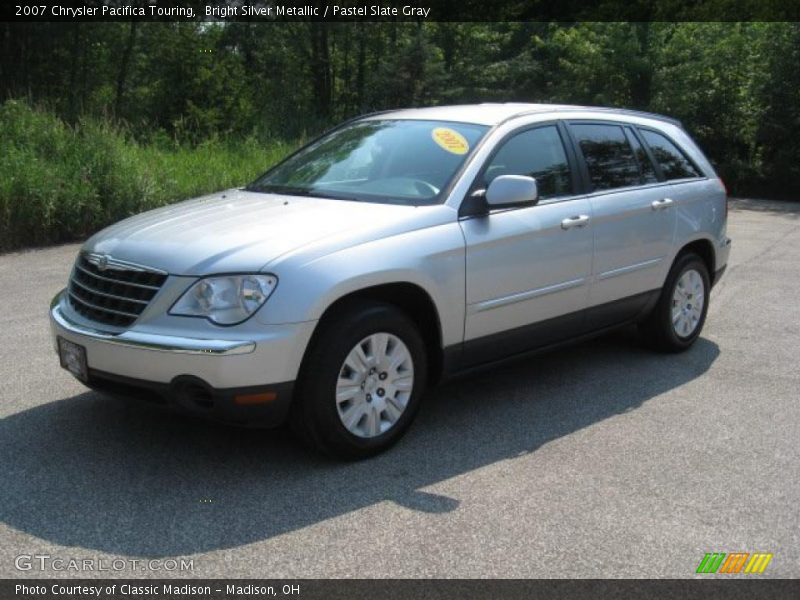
(522, 296)
(629, 269)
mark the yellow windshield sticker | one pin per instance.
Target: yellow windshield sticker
(450, 140)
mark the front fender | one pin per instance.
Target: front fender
(431, 258)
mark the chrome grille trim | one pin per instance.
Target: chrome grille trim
(95, 307)
(118, 265)
(110, 291)
(107, 295)
(140, 285)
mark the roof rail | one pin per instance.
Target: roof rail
(642, 113)
(575, 108)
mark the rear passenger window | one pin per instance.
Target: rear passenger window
(648, 171)
(536, 153)
(672, 161)
(608, 156)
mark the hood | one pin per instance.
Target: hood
(240, 231)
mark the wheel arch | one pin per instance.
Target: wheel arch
(413, 300)
(704, 248)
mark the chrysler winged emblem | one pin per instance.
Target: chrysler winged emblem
(104, 262)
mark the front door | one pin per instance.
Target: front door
(528, 269)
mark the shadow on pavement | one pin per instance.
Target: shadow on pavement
(126, 479)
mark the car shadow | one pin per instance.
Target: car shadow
(126, 479)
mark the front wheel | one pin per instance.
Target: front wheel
(361, 381)
(679, 315)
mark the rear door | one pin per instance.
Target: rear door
(528, 268)
(633, 220)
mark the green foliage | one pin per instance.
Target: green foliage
(715, 88)
(778, 131)
(60, 183)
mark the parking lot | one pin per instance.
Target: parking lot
(600, 460)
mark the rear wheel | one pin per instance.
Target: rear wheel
(679, 316)
(361, 381)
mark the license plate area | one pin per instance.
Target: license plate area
(73, 358)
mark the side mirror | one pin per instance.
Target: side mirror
(506, 191)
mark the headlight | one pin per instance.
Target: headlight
(227, 299)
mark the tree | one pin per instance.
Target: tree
(734, 85)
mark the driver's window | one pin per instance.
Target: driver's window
(536, 153)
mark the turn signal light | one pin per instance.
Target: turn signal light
(246, 399)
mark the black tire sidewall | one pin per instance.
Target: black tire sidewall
(321, 371)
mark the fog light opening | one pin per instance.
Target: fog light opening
(197, 394)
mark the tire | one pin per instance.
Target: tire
(677, 321)
(352, 404)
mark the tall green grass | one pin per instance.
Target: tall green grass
(61, 183)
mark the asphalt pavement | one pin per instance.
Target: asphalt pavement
(600, 460)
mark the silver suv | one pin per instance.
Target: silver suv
(399, 248)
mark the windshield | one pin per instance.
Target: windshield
(395, 161)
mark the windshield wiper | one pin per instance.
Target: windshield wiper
(280, 189)
(316, 194)
(298, 191)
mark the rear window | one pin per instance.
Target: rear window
(670, 158)
(608, 155)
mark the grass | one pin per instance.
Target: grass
(61, 183)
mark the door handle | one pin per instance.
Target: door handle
(576, 221)
(661, 204)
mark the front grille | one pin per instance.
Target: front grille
(116, 295)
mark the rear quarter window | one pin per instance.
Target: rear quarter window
(672, 160)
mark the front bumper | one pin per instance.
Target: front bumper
(245, 375)
(257, 406)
